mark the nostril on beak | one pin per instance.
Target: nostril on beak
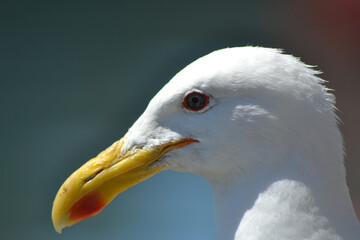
(92, 176)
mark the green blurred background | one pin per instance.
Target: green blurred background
(75, 75)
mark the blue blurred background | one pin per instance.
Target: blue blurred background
(75, 75)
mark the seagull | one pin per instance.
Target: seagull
(259, 125)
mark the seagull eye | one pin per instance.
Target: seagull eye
(196, 101)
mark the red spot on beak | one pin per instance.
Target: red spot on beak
(87, 206)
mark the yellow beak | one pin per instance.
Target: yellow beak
(90, 188)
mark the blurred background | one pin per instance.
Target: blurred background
(75, 75)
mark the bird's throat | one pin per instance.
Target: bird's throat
(274, 198)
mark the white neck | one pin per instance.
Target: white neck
(286, 203)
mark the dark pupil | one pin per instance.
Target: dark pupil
(195, 101)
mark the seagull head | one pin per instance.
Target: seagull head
(224, 117)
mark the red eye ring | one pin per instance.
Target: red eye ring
(195, 101)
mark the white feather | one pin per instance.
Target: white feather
(269, 145)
